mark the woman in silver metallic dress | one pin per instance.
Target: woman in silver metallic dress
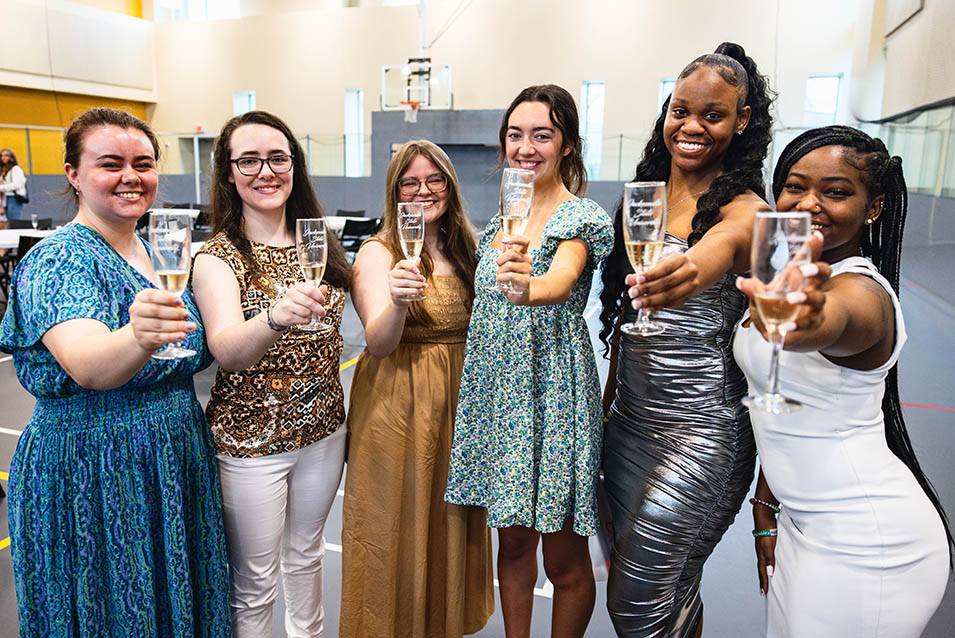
(679, 454)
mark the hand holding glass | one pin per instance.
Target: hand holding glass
(312, 247)
(517, 198)
(780, 247)
(644, 227)
(411, 235)
(170, 241)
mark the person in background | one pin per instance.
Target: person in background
(277, 407)
(679, 454)
(412, 564)
(861, 546)
(13, 182)
(115, 515)
(527, 435)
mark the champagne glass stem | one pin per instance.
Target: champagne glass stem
(776, 341)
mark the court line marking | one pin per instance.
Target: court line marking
(927, 407)
(11, 431)
(348, 364)
(5, 359)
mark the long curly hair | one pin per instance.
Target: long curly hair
(882, 243)
(460, 244)
(5, 168)
(302, 203)
(563, 115)
(742, 162)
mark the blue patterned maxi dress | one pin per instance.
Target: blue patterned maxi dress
(529, 430)
(115, 513)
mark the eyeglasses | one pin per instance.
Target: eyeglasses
(411, 185)
(253, 165)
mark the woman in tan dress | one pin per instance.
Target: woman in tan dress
(413, 565)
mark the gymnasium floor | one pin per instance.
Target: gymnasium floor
(734, 609)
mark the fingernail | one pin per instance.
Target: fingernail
(739, 283)
(796, 297)
(636, 303)
(817, 234)
(761, 592)
(769, 571)
(809, 270)
(789, 326)
(641, 279)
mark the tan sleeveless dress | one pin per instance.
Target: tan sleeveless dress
(412, 565)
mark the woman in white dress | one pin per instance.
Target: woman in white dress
(861, 545)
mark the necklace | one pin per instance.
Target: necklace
(672, 206)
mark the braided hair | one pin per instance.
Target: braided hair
(882, 243)
(743, 168)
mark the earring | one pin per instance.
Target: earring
(869, 222)
(739, 132)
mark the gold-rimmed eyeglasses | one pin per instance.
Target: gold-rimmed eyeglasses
(411, 185)
(253, 165)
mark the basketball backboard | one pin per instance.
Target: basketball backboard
(416, 81)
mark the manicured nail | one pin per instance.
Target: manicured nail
(817, 234)
(633, 291)
(769, 568)
(761, 592)
(789, 326)
(809, 270)
(636, 303)
(641, 279)
(796, 297)
(739, 283)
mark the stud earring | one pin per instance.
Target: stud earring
(869, 222)
(739, 132)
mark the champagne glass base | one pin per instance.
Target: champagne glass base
(314, 327)
(501, 288)
(647, 329)
(173, 352)
(415, 298)
(772, 403)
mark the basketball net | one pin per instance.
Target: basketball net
(411, 110)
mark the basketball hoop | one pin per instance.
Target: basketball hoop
(411, 110)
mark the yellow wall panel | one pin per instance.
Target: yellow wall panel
(29, 107)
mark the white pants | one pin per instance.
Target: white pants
(274, 509)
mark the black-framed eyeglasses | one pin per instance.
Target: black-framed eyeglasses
(253, 165)
(411, 185)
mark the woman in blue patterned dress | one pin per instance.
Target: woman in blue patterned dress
(115, 515)
(528, 428)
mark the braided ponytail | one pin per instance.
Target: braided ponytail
(743, 164)
(882, 243)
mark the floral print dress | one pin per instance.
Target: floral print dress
(528, 430)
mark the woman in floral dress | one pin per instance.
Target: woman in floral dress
(528, 428)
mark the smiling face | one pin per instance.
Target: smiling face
(826, 185)
(702, 119)
(533, 142)
(267, 191)
(116, 176)
(422, 169)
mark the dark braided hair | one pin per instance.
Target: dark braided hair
(743, 168)
(882, 243)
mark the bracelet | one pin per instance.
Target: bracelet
(760, 533)
(757, 501)
(277, 327)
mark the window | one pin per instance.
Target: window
(182, 10)
(592, 119)
(666, 88)
(822, 98)
(354, 133)
(243, 102)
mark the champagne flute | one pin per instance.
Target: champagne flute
(34, 220)
(780, 246)
(411, 235)
(312, 246)
(517, 197)
(170, 242)
(644, 227)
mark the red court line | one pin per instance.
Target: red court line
(927, 407)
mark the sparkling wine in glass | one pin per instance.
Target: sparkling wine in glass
(34, 220)
(411, 234)
(517, 198)
(780, 247)
(644, 227)
(312, 246)
(170, 241)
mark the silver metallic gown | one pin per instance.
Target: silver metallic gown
(679, 457)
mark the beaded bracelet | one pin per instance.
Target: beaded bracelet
(756, 501)
(760, 533)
